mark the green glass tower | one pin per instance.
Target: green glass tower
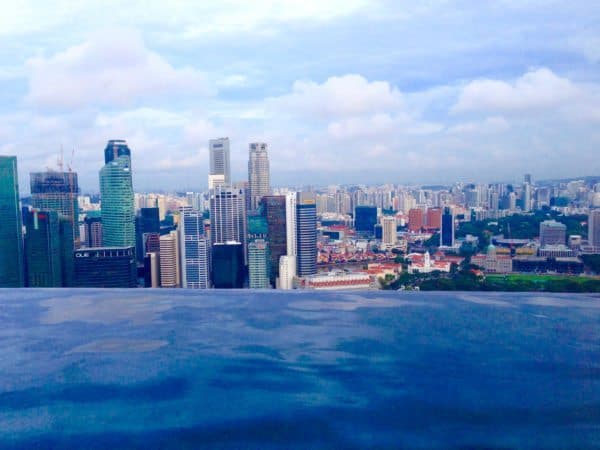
(116, 190)
(43, 249)
(11, 230)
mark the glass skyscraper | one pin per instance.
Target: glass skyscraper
(365, 219)
(228, 222)
(274, 209)
(43, 254)
(11, 233)
(447, 231)
(116, 190)
(306, 234)
(57, 191)
(105, 267)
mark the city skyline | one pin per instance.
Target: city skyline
(424, 93)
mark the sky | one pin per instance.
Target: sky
(343, 91)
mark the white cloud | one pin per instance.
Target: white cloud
(536, 90)
(112, 69)
(488, 125)
(347, 95)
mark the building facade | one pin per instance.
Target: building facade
(259, 181)
(228, 265)
(116, 190)
(258, 265)
(218, 150)
(552, 233)
(228, 221)
(194, 249)
(11, 229)
(365, 219)
(447, 231)
(105, 267)
(169, 261)
(306, 234)
(274, 210)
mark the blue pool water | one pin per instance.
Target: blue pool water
(241, 369)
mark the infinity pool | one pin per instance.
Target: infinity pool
(240, 369)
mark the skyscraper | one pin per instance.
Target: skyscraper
(306, 234)
(290, 222)
(228, 265)
(195, 250)
(258, 264)
(43, 249)
(218, 150)
(274, 209)
(116, 190)
(169, 260)
(389, 236)
(447, 231)
(526, 197)
(57, 191)
(258, 173)
(365, 218)
(11, 232)
(228, 216)
(594, 228)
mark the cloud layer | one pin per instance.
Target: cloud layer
(343, 91)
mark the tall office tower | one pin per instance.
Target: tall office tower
(389, 236)
(93, 229)
(258, 265)
(287, 272)
(116, 190)
(415, 219)
(594, 228)
(169, 260)
(152, 270)
(512, 201)
(43, 249)
(259, 180)
(527, 178)
(195, 250)
(228, 265)
(494, 201)
(148, 221)
(434, 218)
(526, 197)
(274, 209)
(365, 219)
(290, 223)
(306, 233)
(11, 230)
(105, 267)
(447, 232)
(471, 197)
(228, 216)
(552, 233)
(218, 150)
(57, 191)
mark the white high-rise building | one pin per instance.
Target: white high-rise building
(194, 249)
(290, 222)
(228, 216)
(287, 263)
(154, 269)
(389, 234)
(218, 150)
(287, 272)
(259, 181)
(169, 260)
